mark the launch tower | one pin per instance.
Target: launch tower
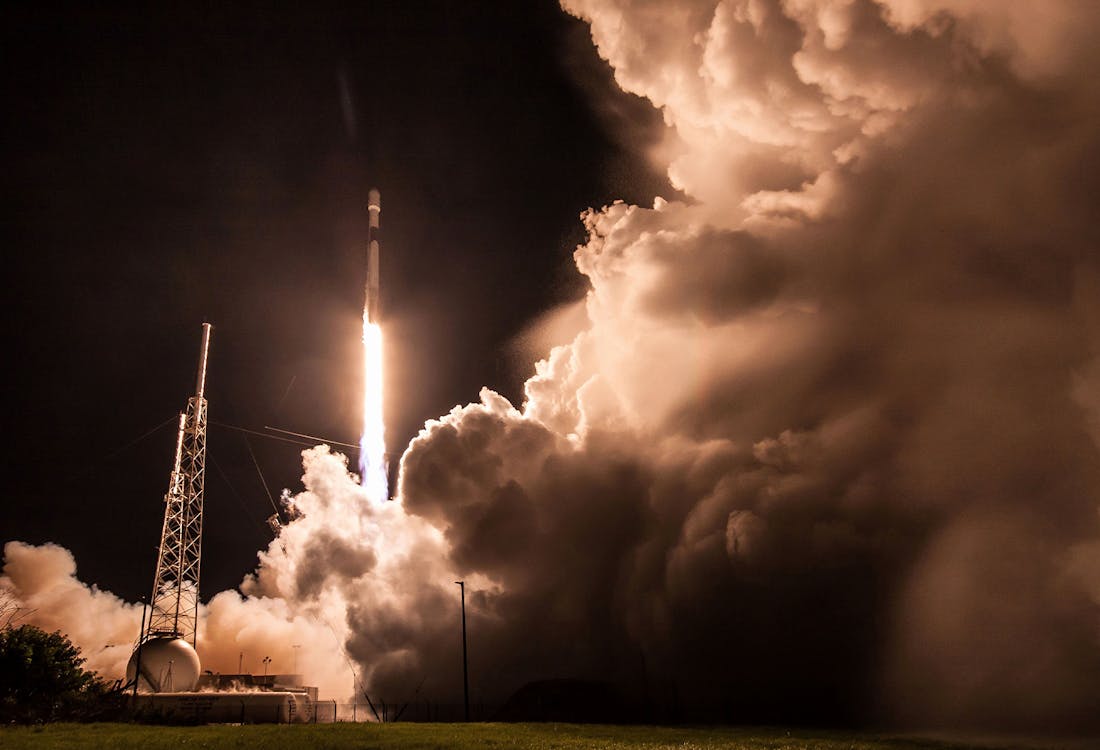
(175, 599)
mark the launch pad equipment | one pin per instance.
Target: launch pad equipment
(164, 669)
(175, 599)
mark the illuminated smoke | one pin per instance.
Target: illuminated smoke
(41, 582)
(372, 445)
(829, 416)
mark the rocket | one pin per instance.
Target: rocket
(372, 302)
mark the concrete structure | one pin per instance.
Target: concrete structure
(236, 698)
(210, 707)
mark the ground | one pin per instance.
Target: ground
(408, 736)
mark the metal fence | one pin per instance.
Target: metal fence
(328, 712)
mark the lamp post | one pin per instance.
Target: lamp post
(465, 665)
(141, 640)
(267, 660)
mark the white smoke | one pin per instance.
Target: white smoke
(41, 582)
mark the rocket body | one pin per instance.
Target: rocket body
(372, 446)
(372, 302)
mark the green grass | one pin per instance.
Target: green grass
(408, 736)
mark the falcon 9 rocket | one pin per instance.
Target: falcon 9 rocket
(372, 445)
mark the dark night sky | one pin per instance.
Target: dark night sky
(170, 167)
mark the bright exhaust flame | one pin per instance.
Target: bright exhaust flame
(372, 445)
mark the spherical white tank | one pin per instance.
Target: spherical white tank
(168, 665)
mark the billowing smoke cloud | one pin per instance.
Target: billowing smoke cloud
(827, 448)
(39, 585)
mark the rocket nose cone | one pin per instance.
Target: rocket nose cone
(374, 200)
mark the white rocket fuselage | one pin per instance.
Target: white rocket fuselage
(372, 303)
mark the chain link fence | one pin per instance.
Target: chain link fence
(328, 712)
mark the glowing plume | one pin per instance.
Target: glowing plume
(372, 445)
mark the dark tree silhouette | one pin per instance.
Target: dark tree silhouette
(42, 678)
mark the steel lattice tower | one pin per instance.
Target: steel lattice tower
(176, 584)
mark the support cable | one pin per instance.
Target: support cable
(234, 493)
(261, 474)
(312, 437)
(135, 441)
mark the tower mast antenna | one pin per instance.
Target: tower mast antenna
(175, 596)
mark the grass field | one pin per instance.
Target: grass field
(408, 736)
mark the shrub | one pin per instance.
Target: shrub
(42, 678)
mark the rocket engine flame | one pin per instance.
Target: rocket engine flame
(372, 445)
